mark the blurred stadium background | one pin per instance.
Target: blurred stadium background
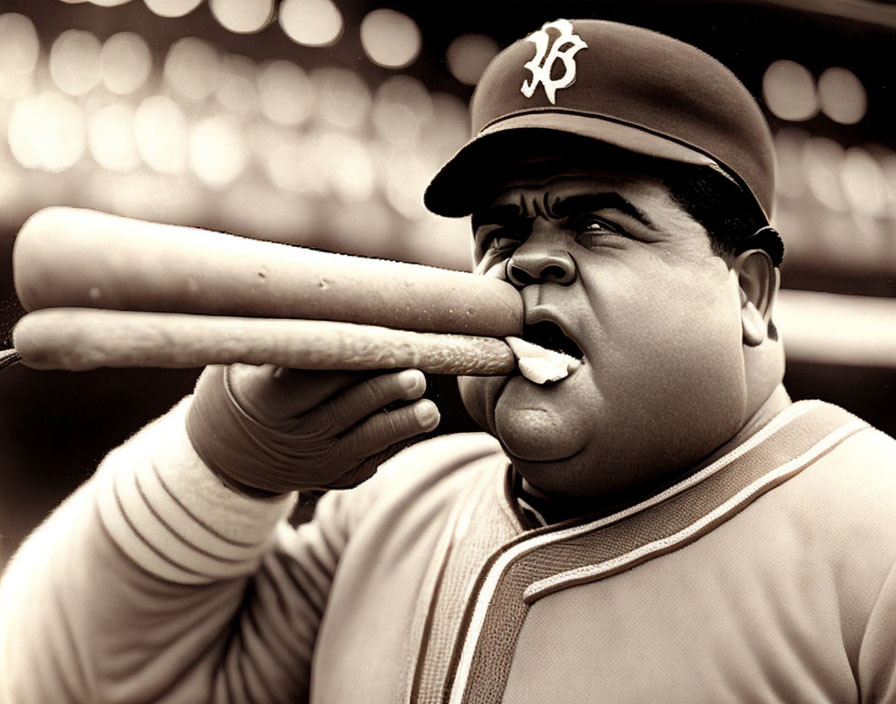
(319, 122)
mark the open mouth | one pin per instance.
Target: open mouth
(549, 335)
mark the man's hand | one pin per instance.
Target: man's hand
(275, 430)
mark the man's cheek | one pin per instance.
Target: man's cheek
(478, 394)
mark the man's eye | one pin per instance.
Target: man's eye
(497, 241)
(501, 243)
(590, 229)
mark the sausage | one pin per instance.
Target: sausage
(67, 257)
(78, 339)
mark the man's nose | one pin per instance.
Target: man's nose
(541, 259)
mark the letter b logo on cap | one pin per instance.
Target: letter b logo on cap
(548, 51)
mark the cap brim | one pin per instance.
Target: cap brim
(455, 189)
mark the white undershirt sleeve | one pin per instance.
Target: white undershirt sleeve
(154, 582)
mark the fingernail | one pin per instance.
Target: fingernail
(427, 414)
(412, 382)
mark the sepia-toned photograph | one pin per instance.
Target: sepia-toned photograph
(511, 351)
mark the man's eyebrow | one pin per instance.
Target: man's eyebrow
(592, 202)
(496, 215)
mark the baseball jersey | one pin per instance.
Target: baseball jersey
(765, 576)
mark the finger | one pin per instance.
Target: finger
(367, 397)
(366, 469)
(387, 428)
(272, 394)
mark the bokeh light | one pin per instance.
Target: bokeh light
(148, 195)
(863, 182)
(390, 39)
(75, 62)
(126, 62)
(401, 107)
(46, 131)
(237, 91)
(12, 186)
(790, 144)
(192, 69)
(789, 91)
(407, 175)
(243, 16)
(822, 158)
(468, 55)
(346, 164)
(446, 130)
(287, 159)
(835, 329)
(172, 8)
(218, 153)
(341, 98)
(311, 22)
(842, 96)
(888, 166)
(19, 49)
(365, 228)
(110, 138)
(285, 92)
(160, 132)
(252, 209)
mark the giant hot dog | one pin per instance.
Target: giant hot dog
(107, 291)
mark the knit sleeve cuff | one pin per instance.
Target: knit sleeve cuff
(173, 516)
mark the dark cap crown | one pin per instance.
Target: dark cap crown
(627, 86)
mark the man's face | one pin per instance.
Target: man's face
(611, 269)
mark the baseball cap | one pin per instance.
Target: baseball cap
(625, 86)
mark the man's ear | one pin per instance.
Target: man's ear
(758, 279)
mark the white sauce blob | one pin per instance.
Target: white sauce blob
(540, 365)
